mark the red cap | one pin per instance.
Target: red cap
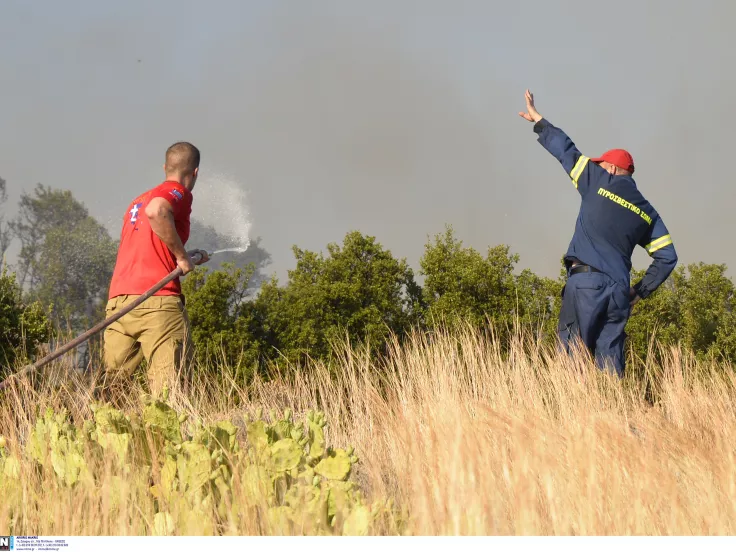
(620, 158)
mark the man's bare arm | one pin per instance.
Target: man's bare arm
(161, 216)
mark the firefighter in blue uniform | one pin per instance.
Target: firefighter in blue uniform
(614, 218)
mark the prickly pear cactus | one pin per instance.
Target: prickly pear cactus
(336, 464)
(11, 490)
(9, 465)
(196, 479)
(305, 483)
(112, 431)
(201, 478)
(316, 423)
(53, 443)
(162, 420)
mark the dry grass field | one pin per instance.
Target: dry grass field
(464, 439)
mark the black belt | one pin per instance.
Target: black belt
(583, 268)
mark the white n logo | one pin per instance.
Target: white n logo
(5, 542)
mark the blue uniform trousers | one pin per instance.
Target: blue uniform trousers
(595, 310)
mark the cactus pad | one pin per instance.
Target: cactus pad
(336, 466)
(285, 473)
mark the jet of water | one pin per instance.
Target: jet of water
(231, 250)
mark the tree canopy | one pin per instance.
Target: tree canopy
(356, 289)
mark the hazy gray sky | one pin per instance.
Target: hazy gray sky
(389, 117)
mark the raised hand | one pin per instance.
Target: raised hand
(531, 115)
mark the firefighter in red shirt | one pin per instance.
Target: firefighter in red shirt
(155, 230)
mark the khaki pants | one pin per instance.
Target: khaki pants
(157, 330)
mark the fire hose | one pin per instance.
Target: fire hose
(195, 256)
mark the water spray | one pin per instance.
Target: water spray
(231, 218)
(196, 257)
(231, 250)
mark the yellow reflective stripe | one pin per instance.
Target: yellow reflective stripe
(577, 170)
(659, 243)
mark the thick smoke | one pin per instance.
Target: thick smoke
(392, 118)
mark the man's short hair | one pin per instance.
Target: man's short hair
(182, 158)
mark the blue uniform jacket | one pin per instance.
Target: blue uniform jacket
(614, 217)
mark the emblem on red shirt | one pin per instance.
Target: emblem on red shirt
(134, 213)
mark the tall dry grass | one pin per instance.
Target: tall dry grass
(466, 439)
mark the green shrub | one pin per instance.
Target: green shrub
(23, 327)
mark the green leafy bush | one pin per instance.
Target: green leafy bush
(23, 326)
